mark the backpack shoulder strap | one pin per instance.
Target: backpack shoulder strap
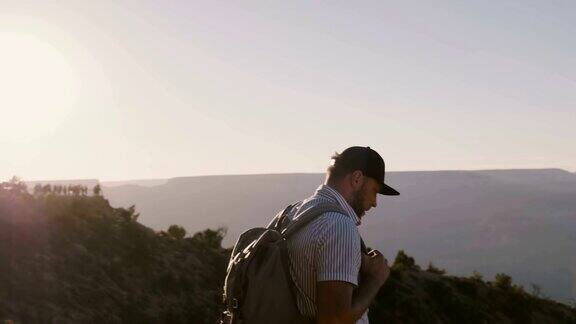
(279, 220)
(308, 215)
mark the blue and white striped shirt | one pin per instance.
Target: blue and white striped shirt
(327, 249)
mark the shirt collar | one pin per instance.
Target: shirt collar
(331, 193)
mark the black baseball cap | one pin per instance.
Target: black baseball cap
(369, 162)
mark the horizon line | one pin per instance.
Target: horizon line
(274, 173)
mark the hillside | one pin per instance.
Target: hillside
(413, 295)
(521, 222)
(76, 259)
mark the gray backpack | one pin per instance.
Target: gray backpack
(258, 288)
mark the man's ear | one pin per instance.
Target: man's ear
(357, 179)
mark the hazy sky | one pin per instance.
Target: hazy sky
(149, 89)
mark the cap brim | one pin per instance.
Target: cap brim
(387, 190)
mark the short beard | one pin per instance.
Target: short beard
(356, 204)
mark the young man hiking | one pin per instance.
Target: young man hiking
(335, 281)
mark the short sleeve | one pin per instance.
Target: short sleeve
(339, 257)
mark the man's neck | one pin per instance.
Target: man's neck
(344, 193)
(340, 192)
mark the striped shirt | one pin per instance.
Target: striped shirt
(327, 249)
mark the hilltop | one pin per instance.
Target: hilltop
(74, 258)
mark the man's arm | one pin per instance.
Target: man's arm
(336, 301)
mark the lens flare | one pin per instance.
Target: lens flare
(37, 87)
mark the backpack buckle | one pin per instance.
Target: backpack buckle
(234, 303)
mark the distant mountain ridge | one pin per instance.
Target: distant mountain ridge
(141, 182)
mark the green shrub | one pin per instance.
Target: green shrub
(177, 232)
(432, 269)
(210, 238)
(403, 261)
(503, 281)
(477, 276)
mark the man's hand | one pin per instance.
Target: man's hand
(336, 300)
(375, 267)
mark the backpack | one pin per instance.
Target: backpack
(259, 288)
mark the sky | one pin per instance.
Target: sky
(117, 90)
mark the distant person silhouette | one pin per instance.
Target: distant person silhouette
(336, 281)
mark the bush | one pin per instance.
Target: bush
(433, 269)
(210, 238)
(403, 261)
(503, 281)
(177, 232)
(477, 276)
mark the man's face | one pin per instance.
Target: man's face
(366, 197)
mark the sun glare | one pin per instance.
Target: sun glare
(37, 87)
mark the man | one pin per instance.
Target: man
(335, 281)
